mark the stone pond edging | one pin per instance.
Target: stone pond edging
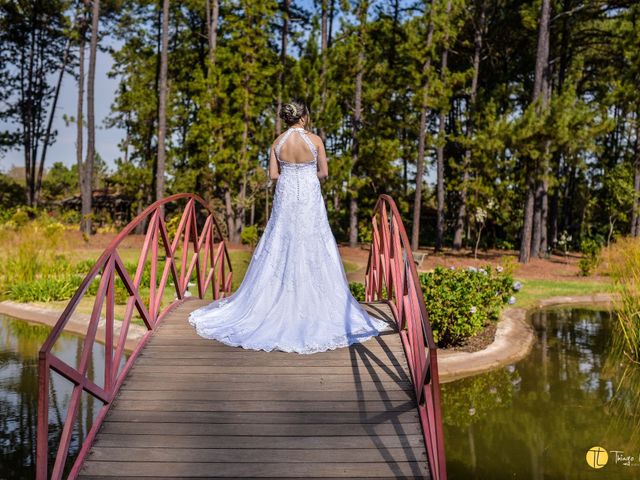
(513, 340)
(76, 324)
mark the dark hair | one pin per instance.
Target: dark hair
(291, 112)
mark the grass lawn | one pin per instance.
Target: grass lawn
(534, 290)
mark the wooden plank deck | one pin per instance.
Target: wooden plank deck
(195, 408)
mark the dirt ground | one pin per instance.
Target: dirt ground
(555, 267)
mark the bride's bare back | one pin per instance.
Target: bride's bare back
(297, 149)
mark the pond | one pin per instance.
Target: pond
(20, 342)
(539, 418)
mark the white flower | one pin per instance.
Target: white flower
(512, 300)
(472, 411)
(517, 286)
(483, 271)
(452, 267)
(473, 310)
(472, 269)
(499, 269)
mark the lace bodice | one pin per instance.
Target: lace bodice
(303, 134)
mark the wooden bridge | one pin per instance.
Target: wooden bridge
(181, 406)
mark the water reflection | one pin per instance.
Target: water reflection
(19, 345)
(537, 419)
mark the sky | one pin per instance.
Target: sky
(64, 149)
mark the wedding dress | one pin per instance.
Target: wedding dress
(294, 296)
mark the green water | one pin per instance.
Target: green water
(537, 419)
(19, 345)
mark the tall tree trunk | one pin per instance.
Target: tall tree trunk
(544, 221)
(536, 231)
(473, 94)
(283, 63)
(440, 180)
(353, 221)
(539, 92)
(357, 118)
(525, 244)
(162, 103)
(332, 11)
(84, 196)
(424, 113)
(213, 14)
(539, 234)
(357, 122)
(440, 148)
(27, 115)
(47, 135)
(232, 231)
(91, 118)
(324, 43)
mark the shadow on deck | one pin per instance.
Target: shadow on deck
(195, 408)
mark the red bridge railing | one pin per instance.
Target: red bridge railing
(202, 251)
(392, 276)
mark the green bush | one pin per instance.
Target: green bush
(44, 289)
(461, 302)
(249, 235)
(83, 266)
(19, 219)
(357, 290)
(71, 217)
(590, 249)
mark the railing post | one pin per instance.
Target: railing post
(42, 437)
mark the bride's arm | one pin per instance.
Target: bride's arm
(273, 164)
(323, 167)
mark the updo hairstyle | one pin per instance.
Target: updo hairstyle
(293, 111)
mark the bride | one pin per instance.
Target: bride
(294, 296)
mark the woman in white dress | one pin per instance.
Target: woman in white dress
(295, 296)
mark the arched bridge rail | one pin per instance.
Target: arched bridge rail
(392, 276)
(192, 251)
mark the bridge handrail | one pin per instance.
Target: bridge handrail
(108, 265)
(391, 266)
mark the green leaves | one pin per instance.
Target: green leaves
(461, 302)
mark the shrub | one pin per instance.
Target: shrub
(44, 289)
(461, 302)
(249, 235)
(172, 226)
(590, 249)
(19, 219)
(83, 266)
(357, 290)
(71, 217)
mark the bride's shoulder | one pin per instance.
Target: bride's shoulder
(277, 139)
(317, 141)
